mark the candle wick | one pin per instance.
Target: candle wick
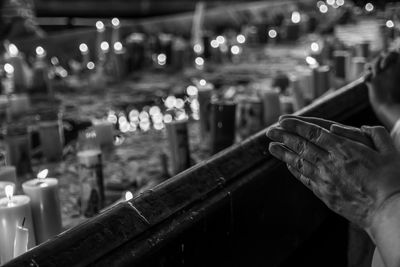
(23, 222)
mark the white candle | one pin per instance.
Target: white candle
(3, 186)
(8, 81)
(84, 49)
(358, 67)
(104, 133)
(17, 61)
(21, 240)
(177, 134)
(45, 205)
(99, 39)
(18, 104)
(271, 105)
(13, 209)
(297, 92)
(115, 30)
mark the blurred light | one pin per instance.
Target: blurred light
(197, 48)
(124, 127)
(194, 105)
(199, 61)
(154, 110)
(128, 195)
(315, 47)
(241, 39)
(296, 17)
(122, 120)
(340, 2)
(179, 103)
(161, 59)
(203, 82)
(311, 61)
(132, 127)
(158, 126)
(144, 125)
(181, 115)
(8, 68)
(134, 115)
(320, 3)
(389, 24)
(272, 33)
(214, 44)
(40, 51)
(191, 90)
(369, 7)
(330, 2)
(115, 22)
(157, 118)
(104, 46)
(144, 116)
(13, 50)
(170, 101)
(118, 46)
(63, 73)
(90, 65)
(220, 39)
(235, 50)
(83, 48)
(112, 118)
(99, 25)
(167, 118)
(323, 8)
(54, 61)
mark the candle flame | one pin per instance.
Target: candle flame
(9, 190)
(40, 51)
(104, 46)
(311, 61)
(13, 50)
(8, 68)
(100, 25)
(115, 22)
(118, 46)
(83, 48)
(43, 174)
(128, 195)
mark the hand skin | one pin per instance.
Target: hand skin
(383, 89)
(356, 181)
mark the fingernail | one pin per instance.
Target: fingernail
(271, 133)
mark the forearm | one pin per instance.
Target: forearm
(385, 231)
(388, 113)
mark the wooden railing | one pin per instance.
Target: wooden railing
(239, 208)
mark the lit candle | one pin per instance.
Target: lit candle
(21, 239)
(115, 30)
(8, 81)
(178, 139)
(297, 92)
(104, 133)
(13, 209)
(84, 49)
(40, 80)
(51, 135)
(204, 98)
(45, 205)
(17, 61)
(119, 60)
(342, 64)
(100, 28)
(250, 116)
(223, 125)
(322, 81)
(3, 186)
(92, 183)
(358, 67)
(18, 104)
(272, 105)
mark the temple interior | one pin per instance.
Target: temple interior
(133, 132)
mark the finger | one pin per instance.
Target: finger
(389, 60)
(318, 121)
(380, 137)
(375, 67)
(299, 145)
(310, 184)
(352, 133)
(312, 133)
(289, 157)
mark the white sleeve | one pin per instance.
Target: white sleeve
(395, 133)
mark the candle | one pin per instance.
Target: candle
(136, 50)
(204, 97)
(250, 116)
(307, 85)
(100, 28)
(13, 209)
(15, 58)
(45, 206)
(51, 135)
(40, 79)
(84, 49)
(321, 80)
(179, 145)
(18, 151)
(223, 125)
(104, 133)
(21, 239)
(178, 51)
(358, 67)
(119, 60)
(342, 64)
(363, 49)
(286, 104)
(297, 93)
(115, 30)
(271, 105)
(92, 184)
(8, 81)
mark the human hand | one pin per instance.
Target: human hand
(351, 178)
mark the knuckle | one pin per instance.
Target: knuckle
(300, 148)
(314, 134)
(299, 164)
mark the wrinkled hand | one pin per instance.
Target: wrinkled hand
(350, 177)
(384, 86)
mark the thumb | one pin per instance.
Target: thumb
(380, 137)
